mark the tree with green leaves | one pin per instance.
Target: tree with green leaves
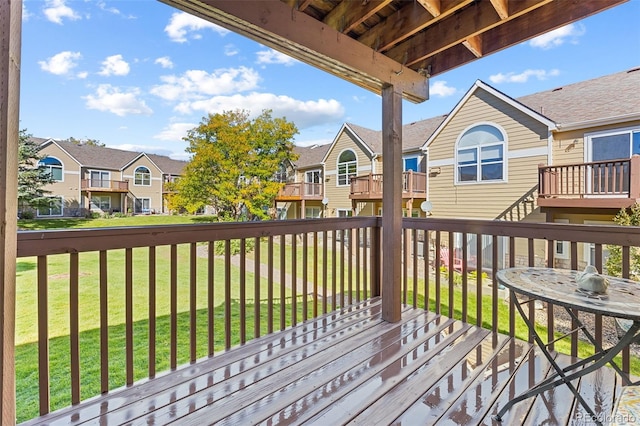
(630, 217)
(233, 164)
(32, 177)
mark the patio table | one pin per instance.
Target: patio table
(559, 287)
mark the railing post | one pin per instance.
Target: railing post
(634, 176)
(376, 256)
(10, 47)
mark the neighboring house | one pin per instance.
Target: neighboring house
(562, 155)
(303, 192)
(106, 180)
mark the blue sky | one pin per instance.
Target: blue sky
(137, 74)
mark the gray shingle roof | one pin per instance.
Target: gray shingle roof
(604, 97)
(102, 157)
(309, 156)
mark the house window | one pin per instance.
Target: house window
(142, 205)
(411, 163)
(53, 166)
(101, 203)
(142, 176)
(480, 155)
(99, 179)
(55, 207)
(312, 212)
(614, 145)
(347, 167)
(313, 182)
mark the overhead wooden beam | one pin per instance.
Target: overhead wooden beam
(409, 20)
(474, 44)
(274, 24)
(472, 20)
(432, 6)
(391, 204)
(349, 14)
(10, 43)
(502, 7)
(546, 18)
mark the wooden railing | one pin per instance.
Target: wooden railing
(612, 183)
(414, 184)
(301, 191)
(143, 300)
(104, 185)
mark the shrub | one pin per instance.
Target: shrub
(219, 248)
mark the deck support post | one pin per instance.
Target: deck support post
(391, 202)
(10, 45)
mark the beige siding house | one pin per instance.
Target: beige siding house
(104, 180)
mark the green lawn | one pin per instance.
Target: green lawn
(140, 220)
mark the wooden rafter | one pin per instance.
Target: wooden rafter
(348, 15)
(432, 6)
(502, 7)
(474, 44)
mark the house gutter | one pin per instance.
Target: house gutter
(598, 122)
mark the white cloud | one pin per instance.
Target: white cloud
(175, 131)
(197, 84)
(440, 88)
(112, 99)
(182, 23)
(164, 62)
(82, 75)
(558, 36)
(271, 56)
(231, 50)
(103, 6)
(523, 77)
(114, 65)
(26, 14)
(61, 63)
(303, 113)
(57, 10)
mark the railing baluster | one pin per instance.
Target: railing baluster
(211, 297)
(574, 323)
(451, 273)
(414, 239)
(173, 310)
(43, 335)
(465, 284)
(294, 280)
(305, 275)
(193, 306)
(152, 307)
(270, 299)
(74, 328)
(438, 277)
(405, 265)
(358, 254)
(283, 268)
(479, 279)
(315, 274)
(243, 290)
(350, 266)
(531, 263)
(626, 257)
(324, 272)
(512, 310)
(333, 270)
(227, 294)
(256, 289)
(494, 288)
(129, 315)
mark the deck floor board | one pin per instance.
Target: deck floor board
(350, 367)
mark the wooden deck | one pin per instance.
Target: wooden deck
(351, 367)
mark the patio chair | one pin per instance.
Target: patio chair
(457, 261)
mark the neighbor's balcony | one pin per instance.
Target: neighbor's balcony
(599, 184)
(369, 187)
(165, 323)
(301, 191)
(102, 185)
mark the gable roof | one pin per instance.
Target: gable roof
(309, 156)
(101, 157)
(614, 95)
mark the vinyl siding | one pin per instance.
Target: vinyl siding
(522, 133)
(69, 187)
(153, 192)
(339, 195)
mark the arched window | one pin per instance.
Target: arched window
(480, 155)
(142, 176)
(53, 166)
(347, 167)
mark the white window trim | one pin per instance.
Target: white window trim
(505, 156)
(134, 176)
(319, 171)
(61, 166)
(410, 157)
(141, 200)
(312, 210)
(564, 244)
(54, 215)
(338, 168)
(588, 151)
(101, 197)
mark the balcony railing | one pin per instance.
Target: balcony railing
(144, 300)
(414, 184)
(301, 191)
(104, 185)
(598, 184)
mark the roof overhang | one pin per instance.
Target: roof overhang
(377, 43)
